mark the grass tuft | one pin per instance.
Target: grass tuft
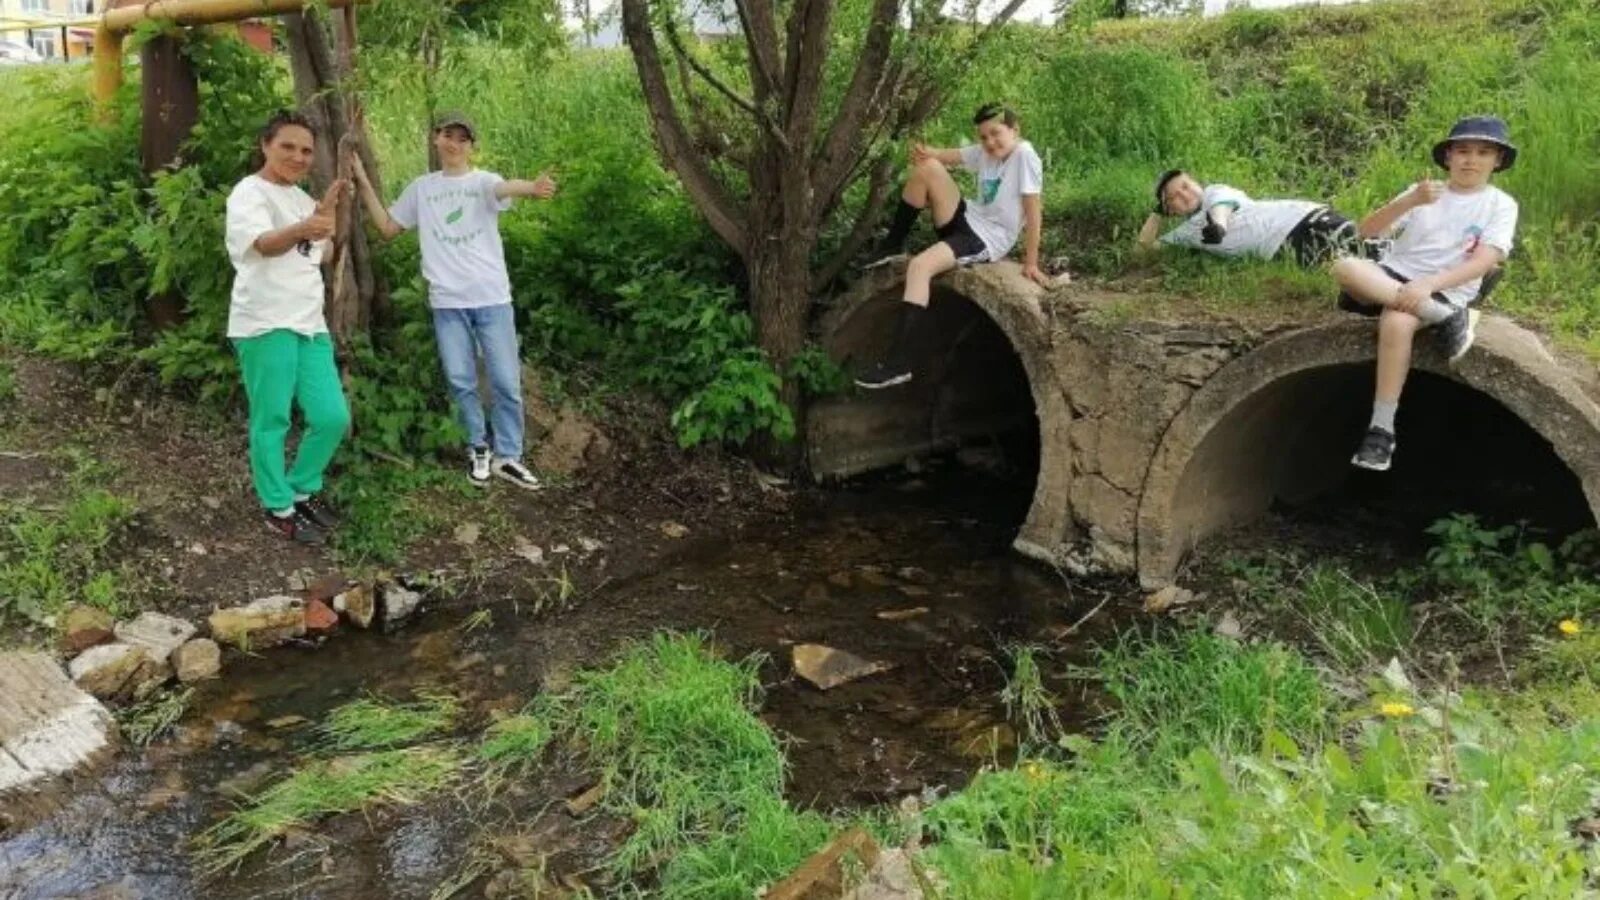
(323, 788)
(372, 724)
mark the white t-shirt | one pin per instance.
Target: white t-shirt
(457, 218)
(996, 217)
(272, 292)
(1255, 228)
(1439, 235)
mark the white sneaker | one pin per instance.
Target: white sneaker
(518, 474)
(479, 459)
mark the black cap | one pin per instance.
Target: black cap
(456, 119)
(1491, 129)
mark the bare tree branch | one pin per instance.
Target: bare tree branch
(723, 213)
(759, 24)
(810, 25)
(877, 190)
(834, 159)
(722, 88)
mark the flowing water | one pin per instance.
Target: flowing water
(822, 576)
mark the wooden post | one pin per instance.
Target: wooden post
(169, 109)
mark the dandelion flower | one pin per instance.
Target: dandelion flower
(1396, 710)
(1570, 627)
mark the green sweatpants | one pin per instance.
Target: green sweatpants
(283, 368)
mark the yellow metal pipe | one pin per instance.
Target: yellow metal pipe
(108, 36)
(205, 12)
(107, 67)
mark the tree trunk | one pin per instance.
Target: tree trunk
(169, 109)
(354, 293)
(780, 302)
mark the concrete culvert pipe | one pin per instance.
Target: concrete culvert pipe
(983, 370)
(1510, 433)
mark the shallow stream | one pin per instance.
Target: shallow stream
(822, 576)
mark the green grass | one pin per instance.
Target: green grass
(1196, 689)
(154, 716)
(326, 787)
(1029, 703)
(673, 729)
(54, 556)
(372, 724)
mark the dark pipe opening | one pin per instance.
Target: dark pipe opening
(1288, 448)
(966, 421)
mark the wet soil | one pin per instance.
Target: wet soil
(821, 574)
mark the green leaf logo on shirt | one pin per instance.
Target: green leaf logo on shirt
(455, 215)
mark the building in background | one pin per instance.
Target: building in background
(53, 30)
(35, 31)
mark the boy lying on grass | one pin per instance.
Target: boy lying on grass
(1227, 222)
(1450, 235)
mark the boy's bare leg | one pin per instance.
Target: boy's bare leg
(932, 188)
(923, 268)
(1365, 281)
(1396, 332)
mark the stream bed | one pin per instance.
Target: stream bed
(938, 543)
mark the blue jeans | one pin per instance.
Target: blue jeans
(464, 333)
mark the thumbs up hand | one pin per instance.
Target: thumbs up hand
(1427, 190)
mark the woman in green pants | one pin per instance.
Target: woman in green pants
(276, 237)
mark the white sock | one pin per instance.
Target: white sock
(1383, 415)
(283, 513)
(301, 498)
(1432, 312)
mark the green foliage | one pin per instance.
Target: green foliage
(1200, 690)
(1369, 821)
(1029, 704)
(673, 731)
(54, 557)
(1495, 575)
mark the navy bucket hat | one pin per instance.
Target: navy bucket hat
(1479, 128)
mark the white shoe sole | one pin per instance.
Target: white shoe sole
(885, 261)
(1370, 467)
(1472, 336)
(525, 485)
(880, 385)
(478, 482)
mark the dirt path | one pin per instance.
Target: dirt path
(196, 541)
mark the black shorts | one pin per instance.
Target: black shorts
(964, 242)
(1321, 236)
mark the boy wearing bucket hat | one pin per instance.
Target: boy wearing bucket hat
(1449, 235)
(456, 212)
(1228, 222)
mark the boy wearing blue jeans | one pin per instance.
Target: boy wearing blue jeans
(456, 212)
(1450, 235)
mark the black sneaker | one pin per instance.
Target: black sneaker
(883, 375)
(1456, 334)
(318, 511)
(297, 527)
(1376, 451)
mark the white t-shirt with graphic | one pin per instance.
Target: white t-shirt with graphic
(272, 292)
(1439, 235)
(996, 217)
(457, 218)
(1255, 228)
